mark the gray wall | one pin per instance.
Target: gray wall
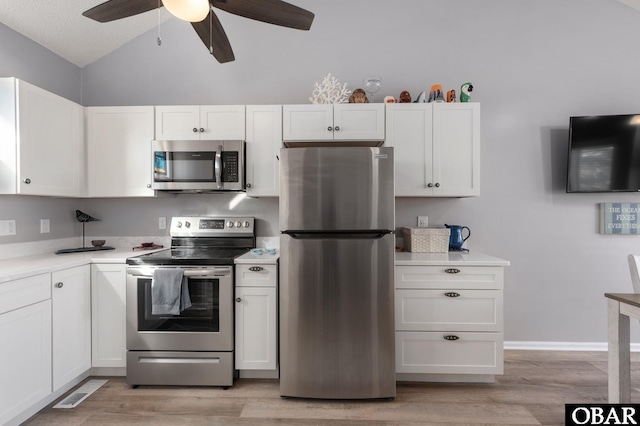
(533, 65)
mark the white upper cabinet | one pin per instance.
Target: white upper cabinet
(264, 140)
(119, 151)
(41, 142)
(206, 122)
(336, 122)
(436, 148)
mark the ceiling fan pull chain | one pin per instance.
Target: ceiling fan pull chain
(159, 39)
(210, 31)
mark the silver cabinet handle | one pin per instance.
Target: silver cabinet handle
(238, 300)
(248, 185)
(430, 185)
(27, 181)
(337, 129)
(60, 284)
(437, 185)
(452, 271)
(201, 130)
(148, 185)
(330, 129)
(450, 337)
(195, 130)
(452, 294)
(256, 268)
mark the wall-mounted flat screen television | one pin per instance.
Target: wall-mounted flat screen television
(604, 154)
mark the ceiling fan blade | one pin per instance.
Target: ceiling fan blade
(275, 12)
(118, 9)
(213, 36)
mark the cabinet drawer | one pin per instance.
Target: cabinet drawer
(258, 275)
(460, 310)
(430, 352)
(449, 277)
(26, 291)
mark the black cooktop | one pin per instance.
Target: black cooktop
(189, 256)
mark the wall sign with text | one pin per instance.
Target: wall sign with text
(620, 218)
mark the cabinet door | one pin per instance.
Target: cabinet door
(50, 143)
(25, 370)
(456, 149)
(364, 122)
(71, 324)
(307, 122)
(409, 132)
(256, 338)
(180, 122)
(222, 122)
(108, 315)
(119, 151)
(264, 140)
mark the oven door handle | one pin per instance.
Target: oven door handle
(215, 272)
(218, 166)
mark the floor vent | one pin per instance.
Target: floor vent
(80, 394)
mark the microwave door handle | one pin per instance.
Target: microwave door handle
(218, 167)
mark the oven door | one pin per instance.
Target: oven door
(198, 165)
(206, 326)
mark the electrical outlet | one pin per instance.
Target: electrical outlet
(423, 221)
(44, 226)
(7, 227)
(162, 222)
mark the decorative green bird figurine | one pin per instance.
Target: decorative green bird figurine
(465, 92)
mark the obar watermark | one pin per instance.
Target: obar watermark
(601, 414)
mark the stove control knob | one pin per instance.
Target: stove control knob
(229, 224)
(247, 224)
(187, 224)
(238, 224)
(179, 225)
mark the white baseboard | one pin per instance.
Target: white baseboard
(563, 346)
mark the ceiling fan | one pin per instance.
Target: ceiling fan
(210, 31)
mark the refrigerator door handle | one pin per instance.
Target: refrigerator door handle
(369, 235)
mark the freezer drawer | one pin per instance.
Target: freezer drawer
(336, 318)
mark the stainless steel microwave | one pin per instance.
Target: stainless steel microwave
(198, 165)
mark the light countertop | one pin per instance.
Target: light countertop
(264, 258)
(21, 267)
(453, 258)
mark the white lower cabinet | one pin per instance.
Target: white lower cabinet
(449, 320)
(71, 324)
(256, 317)
(108, 315)
(25, 370)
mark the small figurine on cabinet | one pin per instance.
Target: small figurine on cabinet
(465, 92)
(422, 98)
(389, 100)
(405, 97)
(435, 94)
(359, 96)
(451, 96)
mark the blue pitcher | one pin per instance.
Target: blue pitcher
(455, 238)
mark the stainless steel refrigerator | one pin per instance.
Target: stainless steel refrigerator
(337, 209)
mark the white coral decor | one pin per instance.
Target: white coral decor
(330, 92)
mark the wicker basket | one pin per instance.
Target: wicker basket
(426, 240)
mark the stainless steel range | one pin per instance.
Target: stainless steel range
(194, 344)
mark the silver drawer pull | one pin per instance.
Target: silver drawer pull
(452, 294)
(256, 268)
(451, 337)
(452, 271)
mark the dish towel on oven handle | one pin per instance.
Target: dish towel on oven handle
(169, 292)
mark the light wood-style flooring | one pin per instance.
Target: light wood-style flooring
(533, 390)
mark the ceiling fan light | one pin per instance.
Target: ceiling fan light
(188, 10)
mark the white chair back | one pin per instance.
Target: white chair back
(634, 268)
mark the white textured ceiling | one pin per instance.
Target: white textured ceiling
(59, 26)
